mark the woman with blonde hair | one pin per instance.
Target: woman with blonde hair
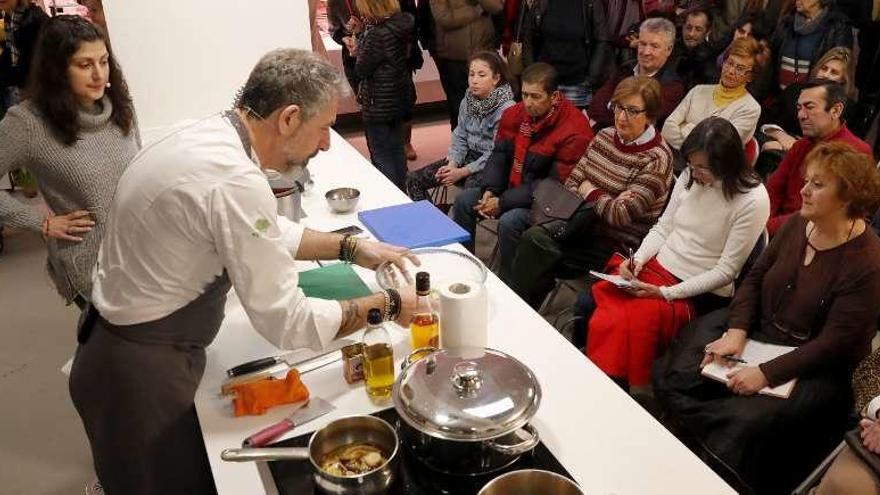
(386, 93)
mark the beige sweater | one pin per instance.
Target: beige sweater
(698, 104)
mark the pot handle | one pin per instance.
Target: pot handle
(417, 354)
(265, 454)
(518, 448)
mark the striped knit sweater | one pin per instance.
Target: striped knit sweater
(643, 171)
(78, 177)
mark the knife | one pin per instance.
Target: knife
(263, 363)
(303, 366)
(314, 408)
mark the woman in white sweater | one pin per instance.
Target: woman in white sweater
(689, 259)
(728, 99)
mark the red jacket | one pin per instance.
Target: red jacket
(784, 185)
(554, 150)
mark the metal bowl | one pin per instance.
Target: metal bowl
(342, 199)
(530, 481)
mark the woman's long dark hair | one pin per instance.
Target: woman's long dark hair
(727, 159)
(49, 83)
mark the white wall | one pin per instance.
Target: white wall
(185, 59)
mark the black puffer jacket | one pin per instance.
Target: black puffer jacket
(386, 90)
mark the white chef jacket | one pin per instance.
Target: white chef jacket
(188, 207)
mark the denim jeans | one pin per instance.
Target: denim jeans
(385, 141)
(511, 225)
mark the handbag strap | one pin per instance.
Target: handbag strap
(519, 23)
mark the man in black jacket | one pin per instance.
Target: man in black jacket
(695, 56)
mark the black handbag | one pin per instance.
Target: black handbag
(560, 211)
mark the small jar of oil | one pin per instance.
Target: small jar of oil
(378, 358)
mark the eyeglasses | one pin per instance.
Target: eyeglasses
(739, 70)
(699, 168)
(786, 329)
(631, 112)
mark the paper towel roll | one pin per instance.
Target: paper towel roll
(464, 315)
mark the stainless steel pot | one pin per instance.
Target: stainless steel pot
(529, 482)
(338, 433)
(465, 411)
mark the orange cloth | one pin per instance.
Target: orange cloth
(256, 398)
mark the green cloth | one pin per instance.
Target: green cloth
(336, 282)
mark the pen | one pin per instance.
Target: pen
(632, 263)
(735, 359)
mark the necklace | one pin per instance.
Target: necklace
(852, 227)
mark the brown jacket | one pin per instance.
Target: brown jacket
(464, 26)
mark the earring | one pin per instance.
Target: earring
(108, 85)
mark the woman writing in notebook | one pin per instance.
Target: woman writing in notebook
(815, 288)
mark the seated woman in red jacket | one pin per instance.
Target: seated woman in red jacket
(815, 288)
(687, 263)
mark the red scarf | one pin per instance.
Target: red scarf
(523, 140)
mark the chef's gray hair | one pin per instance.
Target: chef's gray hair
(289, 76)
(660, 25)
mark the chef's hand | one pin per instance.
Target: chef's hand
(731, 343)
(64, 226)
(642, 289)
(746, 381)
(371, 254)
(870, 435)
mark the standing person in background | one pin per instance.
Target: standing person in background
(22, 22)
(572, 36)
(345, 24)
(694, 53)
(462, 27)
(488, 96)
(386, 92)
(752, 25)
(804, 36)
(75, 134)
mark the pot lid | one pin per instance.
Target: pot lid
(467, 393)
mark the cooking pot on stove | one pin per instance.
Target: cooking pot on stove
(466, 411)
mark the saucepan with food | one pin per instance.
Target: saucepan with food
(350, 455)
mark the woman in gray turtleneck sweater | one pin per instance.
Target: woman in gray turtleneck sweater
(76, 134)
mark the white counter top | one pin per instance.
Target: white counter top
(603, 438)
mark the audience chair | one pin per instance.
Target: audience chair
(753, 149)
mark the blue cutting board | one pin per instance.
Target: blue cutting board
(413, 225)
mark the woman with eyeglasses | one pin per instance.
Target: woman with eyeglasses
(686, 265)
(729, 99)
(626, 173)
(815, 288)
(76, 134)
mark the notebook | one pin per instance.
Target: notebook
(614, 279)
(755, 353)
(413, 225)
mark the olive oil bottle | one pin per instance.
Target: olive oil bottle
(378, 358)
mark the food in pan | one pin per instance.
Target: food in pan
(353, 459)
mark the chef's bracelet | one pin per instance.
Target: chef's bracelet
(348, 248)
(392, 304)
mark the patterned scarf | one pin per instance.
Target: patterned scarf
(483, 107)
(528, 128)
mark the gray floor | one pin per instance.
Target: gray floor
(43, 448)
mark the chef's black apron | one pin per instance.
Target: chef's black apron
(134, 388)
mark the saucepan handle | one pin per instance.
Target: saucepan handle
(416, 355)
(518, 448)
(265, 454)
